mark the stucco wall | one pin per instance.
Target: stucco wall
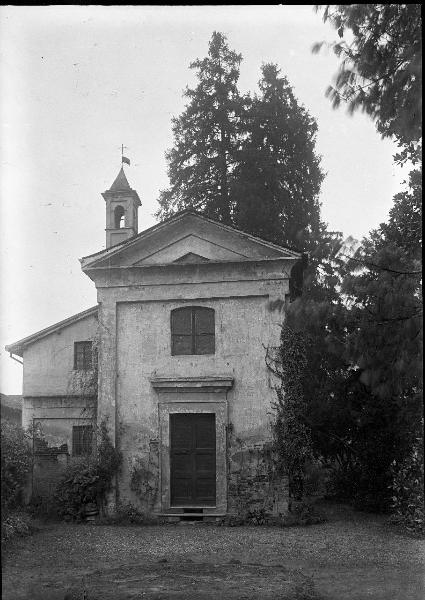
(144, 351)
(49, 362)
(55, 399)
(136, 347)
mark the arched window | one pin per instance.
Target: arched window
(119, 214)
(192, 330)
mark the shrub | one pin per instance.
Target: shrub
(16, 460)
(303, 513)
(15, 524)
(88, 480)
(256, 516)
(408, 492)
(108, 461)
(127, 514)
(42, 507)
(233, 521)
(78, 488)
(362, 485)
(316, 477)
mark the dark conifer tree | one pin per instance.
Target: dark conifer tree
(248, 162)
(206, 138)
(277, 180)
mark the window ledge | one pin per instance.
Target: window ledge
(195, 383)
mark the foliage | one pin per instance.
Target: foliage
(206, 137)
(233, 521)
(85, 382)
(108, 462)
(386, 302)
(292, 436)
(316, 477)
(247, 161)
(367, 367)
(362, 385)
(88, 480)
(303, 513)
(77, 489)
(144, 477)
(16, 461)
(252, 475)
(278, 177)
(408, 502)
(404, 227)
(381, 69)
(386, 344)
(126, 514)
(256, 516)
(15, 524)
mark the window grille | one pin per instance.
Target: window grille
(83, 356)
(192, 330)
(82, 440)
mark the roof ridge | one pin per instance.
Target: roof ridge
(50, 329)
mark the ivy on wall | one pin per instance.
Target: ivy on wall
(253, 482)
(292, 436)
(144, 478)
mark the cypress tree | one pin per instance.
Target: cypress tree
(206, 138)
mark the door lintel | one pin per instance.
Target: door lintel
(196, 384)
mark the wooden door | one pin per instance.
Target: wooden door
(192, 459)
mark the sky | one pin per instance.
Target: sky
(79, 81)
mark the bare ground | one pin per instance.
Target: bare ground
(352, 557)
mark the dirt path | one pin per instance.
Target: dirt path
(348, 560)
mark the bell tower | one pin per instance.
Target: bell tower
(122, 203)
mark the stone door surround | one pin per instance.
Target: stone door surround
(193, 395)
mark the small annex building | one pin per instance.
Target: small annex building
(172, 357)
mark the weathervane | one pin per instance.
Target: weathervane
(124, 159)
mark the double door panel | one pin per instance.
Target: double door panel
(193, 459)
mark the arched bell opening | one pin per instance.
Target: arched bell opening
(119, 217)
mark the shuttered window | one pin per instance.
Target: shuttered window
(192, 330)
(82, 440)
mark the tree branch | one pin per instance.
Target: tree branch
(380, 267)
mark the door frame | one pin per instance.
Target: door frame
(191, 396)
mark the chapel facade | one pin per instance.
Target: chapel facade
(172, 359)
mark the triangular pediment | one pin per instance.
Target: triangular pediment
(189, 244)
(191, 258)
(187, 238)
